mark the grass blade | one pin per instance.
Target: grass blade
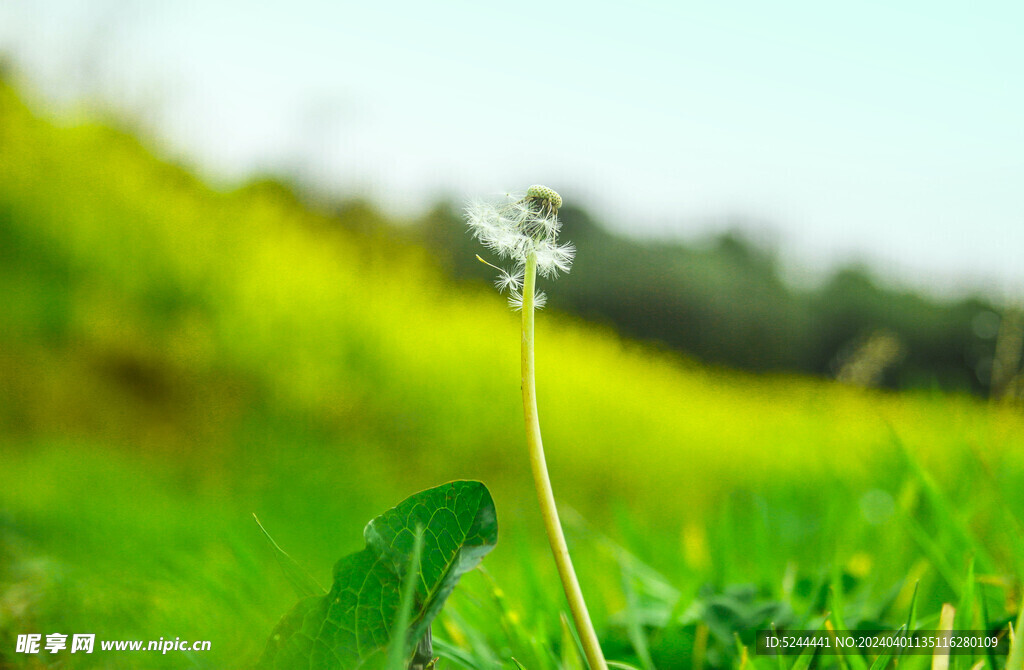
(1015, 659)
(803, 661)
(883, 659)
(635, 630)
(854, 659)
(301, 581)
(940, 659)
(572, 650)
(965, 610)
(908, 628)
(397, 649)
(778, 657)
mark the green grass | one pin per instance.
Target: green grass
(175, 358)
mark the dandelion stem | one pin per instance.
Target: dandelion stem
(546, 497)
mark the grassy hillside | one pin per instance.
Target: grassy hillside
(174, 358)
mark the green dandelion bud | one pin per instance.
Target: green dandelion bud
(539, 192)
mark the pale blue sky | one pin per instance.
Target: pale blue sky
(885, 131)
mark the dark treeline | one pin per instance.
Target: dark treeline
(724, 301)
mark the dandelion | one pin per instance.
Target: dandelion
(518, 230)
(525, 232)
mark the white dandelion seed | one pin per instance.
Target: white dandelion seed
(509, 281)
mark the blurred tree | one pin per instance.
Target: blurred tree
(725, 301)
(1006, 370)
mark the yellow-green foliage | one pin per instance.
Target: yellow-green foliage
(364, 337)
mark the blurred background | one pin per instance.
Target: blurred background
(236, 279)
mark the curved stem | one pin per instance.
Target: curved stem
(546, 497)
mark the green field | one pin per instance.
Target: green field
(174, 358)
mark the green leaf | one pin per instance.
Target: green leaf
(350, 627)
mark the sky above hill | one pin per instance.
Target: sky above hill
(881, 131)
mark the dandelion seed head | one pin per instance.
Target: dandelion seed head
(524, 226)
